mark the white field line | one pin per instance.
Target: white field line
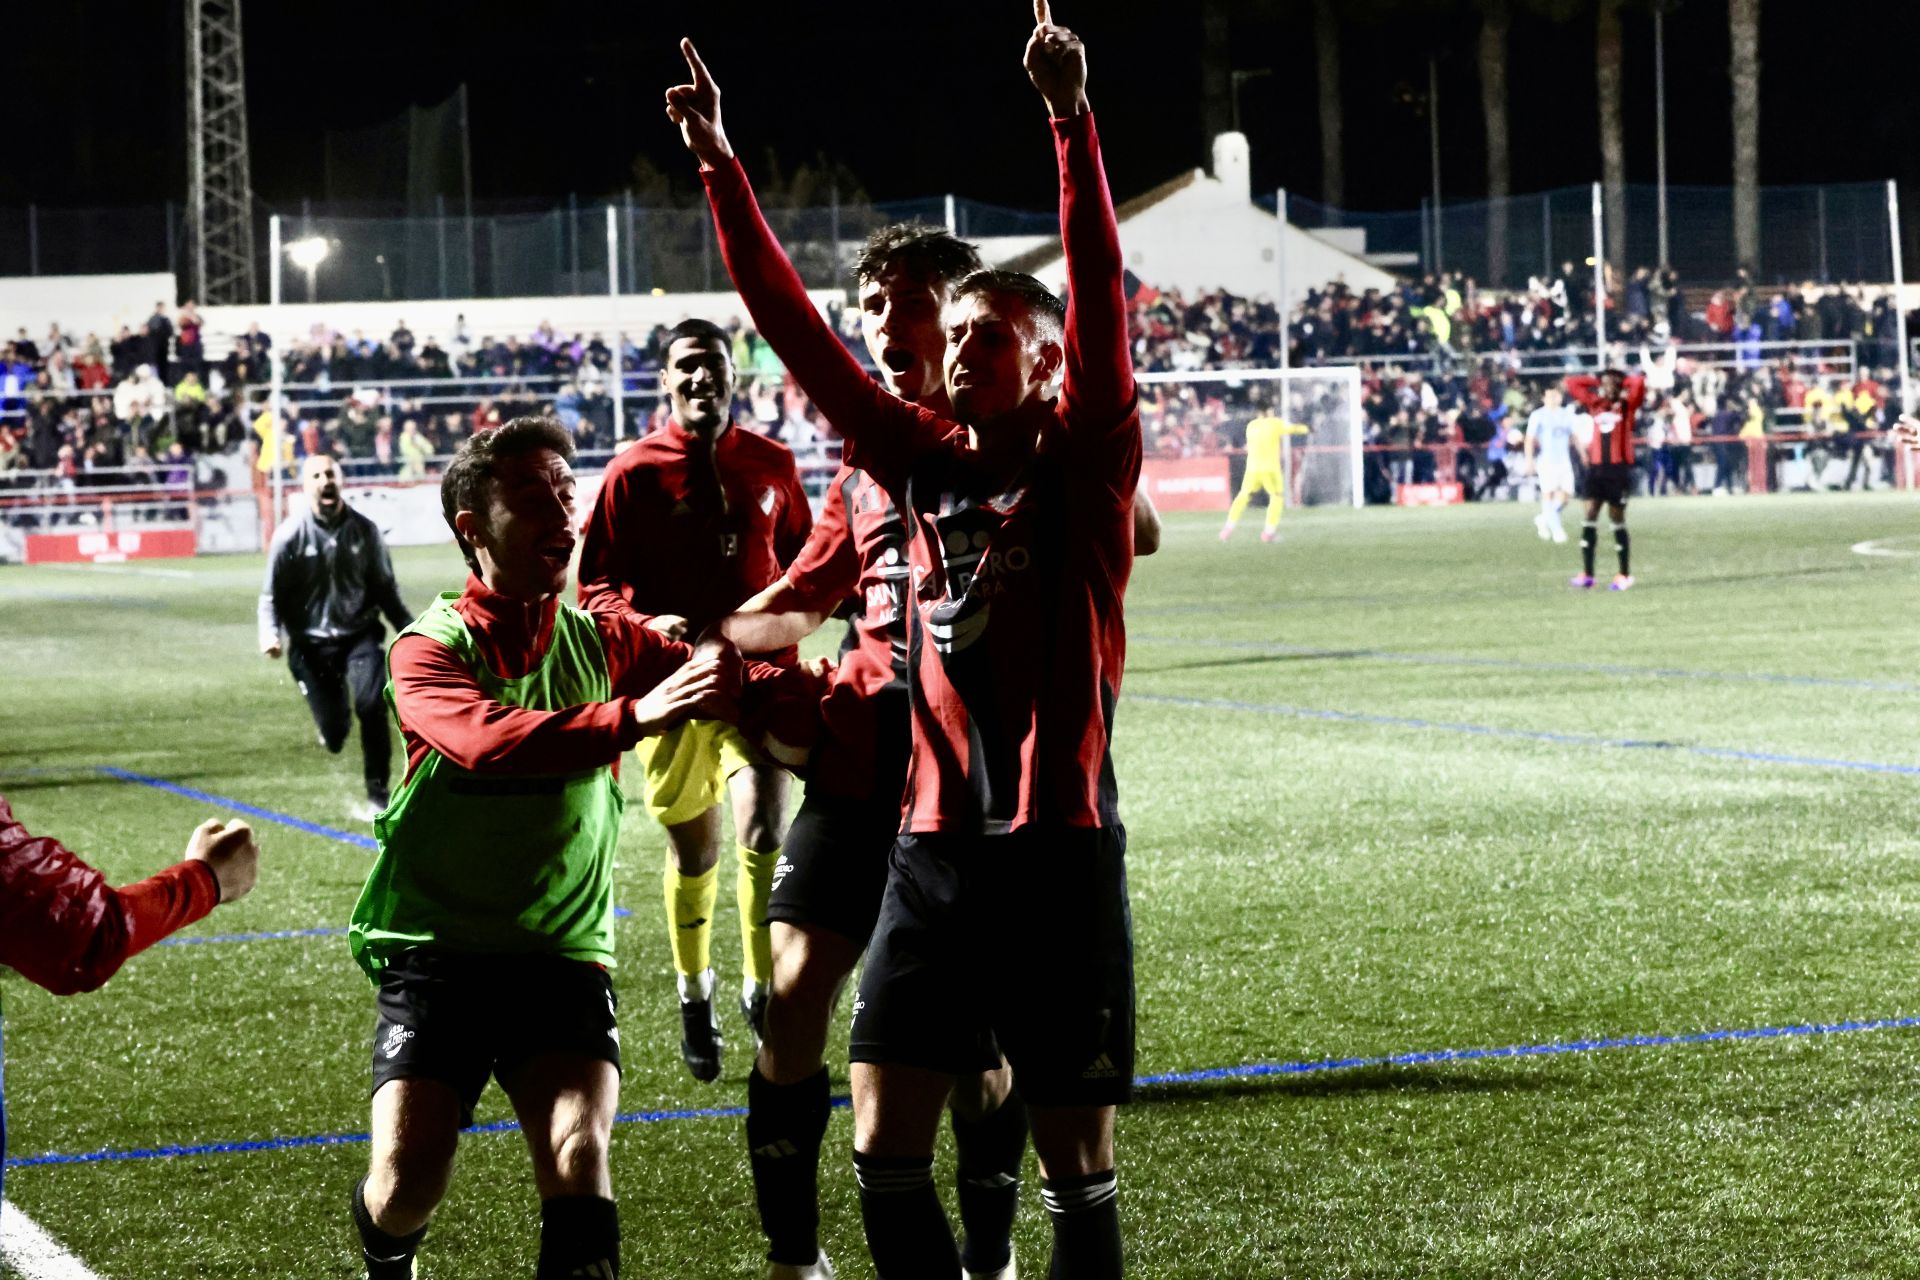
(32, 1253)
(129, 570)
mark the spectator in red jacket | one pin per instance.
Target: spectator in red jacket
(63, 927)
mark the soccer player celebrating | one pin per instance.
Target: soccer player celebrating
(328, 582)
(487, 919)
(1264, 439)
(688, 524)
(1549, 446)
(1019, 515)
(1613, 402)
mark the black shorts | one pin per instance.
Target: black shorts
(832, 871)
(1019, 944)
(460, 1018)
(1609, 482)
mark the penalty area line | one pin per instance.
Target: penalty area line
(32, 1253)
(1309, 1066)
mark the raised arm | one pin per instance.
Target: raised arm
(63, 927)
(1583, 387)
(886, 433)
(1099, 389)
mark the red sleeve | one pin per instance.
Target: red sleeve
(796, 522)
(1098, 393)
(1636, 388)
(603, 584)
(638, 657)
(64, 928)
(438, 701)
(883, 433)
(1585, 388)
(827, 570)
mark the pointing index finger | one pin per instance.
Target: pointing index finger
(701, 79)
(1042, 15)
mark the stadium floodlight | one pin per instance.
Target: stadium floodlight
(309, 253)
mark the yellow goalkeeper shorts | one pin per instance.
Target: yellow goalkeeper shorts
(687, 768)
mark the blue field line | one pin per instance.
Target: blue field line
(1521, 664)
(1247, 1071)
(269, 935)
(240, 806)
(1528, 735)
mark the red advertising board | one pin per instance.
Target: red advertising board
(1187, 484)
(109, 547)
(1443, 494)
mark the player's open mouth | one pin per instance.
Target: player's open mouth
(897, 359)
(558, 552)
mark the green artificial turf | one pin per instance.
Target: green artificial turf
(1391, 788)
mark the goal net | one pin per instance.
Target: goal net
(1202, 414)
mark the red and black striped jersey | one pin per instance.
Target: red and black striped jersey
(1613, 417)
(858, 550)
(1017, 639)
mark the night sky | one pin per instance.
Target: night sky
(919, 101)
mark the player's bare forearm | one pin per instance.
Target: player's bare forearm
(776, 618)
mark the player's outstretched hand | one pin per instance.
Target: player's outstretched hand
(1906, 432)
(1056, 62)
(271, 649)
(229, 850)
(706, 687)
(696, 109)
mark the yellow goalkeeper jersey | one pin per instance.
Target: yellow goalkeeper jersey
(1263, 442)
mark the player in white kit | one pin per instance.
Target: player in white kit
(1551, 430)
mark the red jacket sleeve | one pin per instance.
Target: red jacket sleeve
(827, 570)
(603, 581)
(796, 521)
(438, 700)
(885, 434)
(638, 657)
(1098, 393)
(1636, 391)
(64, 928)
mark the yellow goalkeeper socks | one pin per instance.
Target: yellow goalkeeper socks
(690, 917)
(755, 889)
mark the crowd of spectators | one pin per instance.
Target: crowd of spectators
(1445, 367)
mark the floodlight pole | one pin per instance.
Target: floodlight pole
(1599, 284)
(1660, 117)
(1286, 355)
(274, 330)
(619, 343)
(1899, 302)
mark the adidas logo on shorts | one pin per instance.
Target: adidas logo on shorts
(1102, 1069)
(780, 870)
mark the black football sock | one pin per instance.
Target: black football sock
(1620, 545)
(579, 1236)
(907, 1230)
(387, 1257)
(785, 1126)
(1589, 536)
(1086, 1226)
(989, 1149)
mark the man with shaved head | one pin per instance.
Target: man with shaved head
(329, 582)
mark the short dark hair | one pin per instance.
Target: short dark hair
(920, 249)
(464, 486)
(1048, 311)
(704, 330)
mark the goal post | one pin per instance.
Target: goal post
(1205, 412)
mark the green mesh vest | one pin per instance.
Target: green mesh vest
(498, 863)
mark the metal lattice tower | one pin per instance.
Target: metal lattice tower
(219, 185)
